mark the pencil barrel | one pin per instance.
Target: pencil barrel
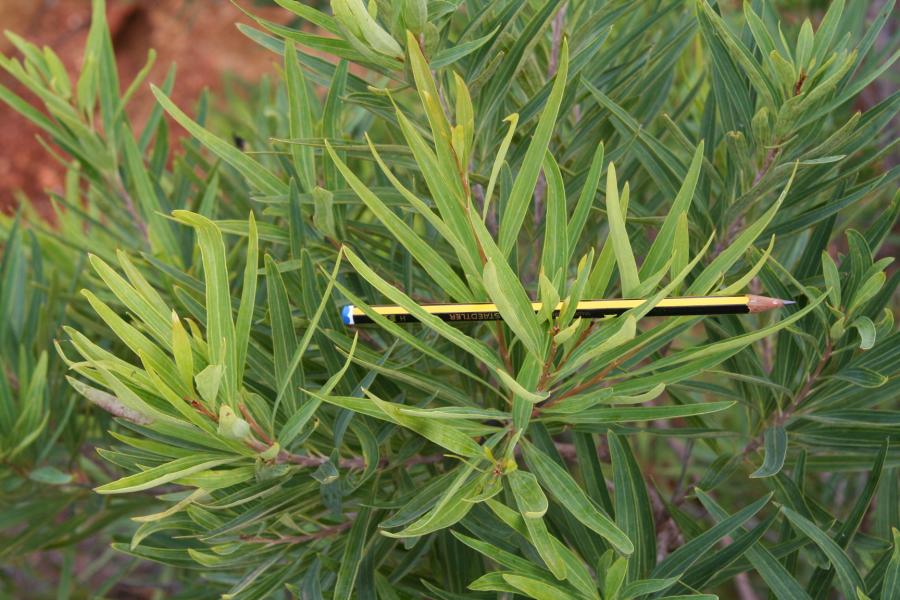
(588, 313)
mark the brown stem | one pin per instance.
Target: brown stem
(781, 418)
(354, 463)
(770, 158)
(744, 588)
(13, 380)
(200, 408)
(578, 342)
(254, 425)
(596, 379)
(557, 28)
(732, 233)
(283, 456)
(798, 87)
(551, 355)
(503, 348)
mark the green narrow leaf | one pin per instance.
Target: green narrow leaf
(181, 350)
(832, 279)
(323, 212)
(149, 352)
(515, 387)
(540, 537)
(220, 327)
(506, 291)
(567, 492)
(500, 556)
(312, 327)
(523, 187)
(828, 27)
(681, 249)
(513, 120)
(724, 261)
(775, 443)
(530, 498)
(664, 245)
(424, 254)
(741, 284)
(248, 300)
(447, 198)
(890, 587)
(295, 220)
(284, 337)
(148, 308)
(535, 588)
(159, 229)
(642, 587)
(176, 469)
(300, 118)
(848, 577)
(634, 516)
(453, 506)
(585, 200)
(867, 332)
(555, 256)
(439, 431)
(775, 575)
(677, 563)
(352, 557)
(262, 179)
(331, 120)
(208, 381)
(627, 414)
(619, 235)
(805, 42)
(822, 578)
(429, 94)
(49, 476)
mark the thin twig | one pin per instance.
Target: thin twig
(577, 344)
(503, 348)
(767, 163)
(782, 417)
(353, 463)
(729, 236)
(254, 425)
(595, 380)
(744, 588)
(557, 28)
(546, 370)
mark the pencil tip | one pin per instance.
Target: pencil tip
(758, 304)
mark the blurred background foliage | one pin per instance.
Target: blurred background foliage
(723, 456)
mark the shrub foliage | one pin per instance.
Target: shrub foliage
(181, 314)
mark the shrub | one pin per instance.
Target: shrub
(480, 151)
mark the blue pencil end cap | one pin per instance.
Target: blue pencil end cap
(347, 314)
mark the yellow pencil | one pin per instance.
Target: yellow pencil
(699, 305)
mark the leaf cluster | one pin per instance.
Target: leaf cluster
(183, 314)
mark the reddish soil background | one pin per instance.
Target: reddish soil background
(200, 35)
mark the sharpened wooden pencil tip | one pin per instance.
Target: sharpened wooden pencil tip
(758, 304)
